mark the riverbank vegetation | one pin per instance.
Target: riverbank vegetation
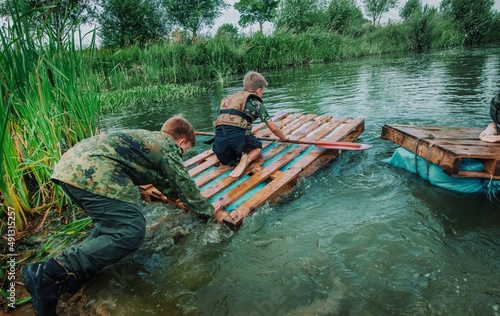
(320, 35)
(53, 92)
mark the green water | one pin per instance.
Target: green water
(359, 237)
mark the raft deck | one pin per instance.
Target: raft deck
(447, 146)
(267, 179)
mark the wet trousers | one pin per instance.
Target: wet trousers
(119, 230)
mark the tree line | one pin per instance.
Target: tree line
(122, 23)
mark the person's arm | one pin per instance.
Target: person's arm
(177, 181)
(266, 118)
(276, 130)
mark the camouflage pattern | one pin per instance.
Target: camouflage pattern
(495, 109)
(246, 102)
(113, 164)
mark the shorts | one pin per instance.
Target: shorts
(232, 142)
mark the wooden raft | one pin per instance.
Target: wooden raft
(447, 146)
(267, 179)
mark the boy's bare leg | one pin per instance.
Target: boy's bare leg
(490, 138)
(257, 166)
(245, 160)
(491, 129)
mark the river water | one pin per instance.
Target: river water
(358, 237)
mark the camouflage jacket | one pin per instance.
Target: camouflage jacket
(114, 164)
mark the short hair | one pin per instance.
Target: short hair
(253, 81)
(178, 127)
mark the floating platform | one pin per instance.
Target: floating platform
(446, 147)
(267, 179)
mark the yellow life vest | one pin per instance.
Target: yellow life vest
(232, 110)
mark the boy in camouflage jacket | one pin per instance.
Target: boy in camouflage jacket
(234, 144)
(101, 174)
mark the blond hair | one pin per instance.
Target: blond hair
(253, 81)
(178, 128)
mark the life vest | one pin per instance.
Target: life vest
(495, 109)
(232, 110)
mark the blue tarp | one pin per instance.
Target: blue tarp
(407, 160)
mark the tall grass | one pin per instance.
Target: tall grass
(143, 96)
(220, 57)
(51, 101)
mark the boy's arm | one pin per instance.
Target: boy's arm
(276, 130)
(264, 117)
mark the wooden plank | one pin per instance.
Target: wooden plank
(215, 173)
(309, 131)
(235, 217)
(348, 130)
(207, 163)
(447, 146)
(224, 183)
(259, 177)
(307, 123)
(198, 158)
(281, 181)
(209, 176)
(262, 128)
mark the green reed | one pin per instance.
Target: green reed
(146, 96)
(52, 102)
(219, 58)
(58, 240)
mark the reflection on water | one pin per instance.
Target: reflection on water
(359, 237)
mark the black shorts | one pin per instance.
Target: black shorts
(231, 143)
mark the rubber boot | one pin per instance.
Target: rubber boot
(43, 280)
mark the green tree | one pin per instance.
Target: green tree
(59, 17)
(227, 30)
(297, 16)
(421, 23)
(410, 7)
(343, 15)
(192, 15)
(129, 22)
(474, 18)
(256, 11)
(376, 8)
